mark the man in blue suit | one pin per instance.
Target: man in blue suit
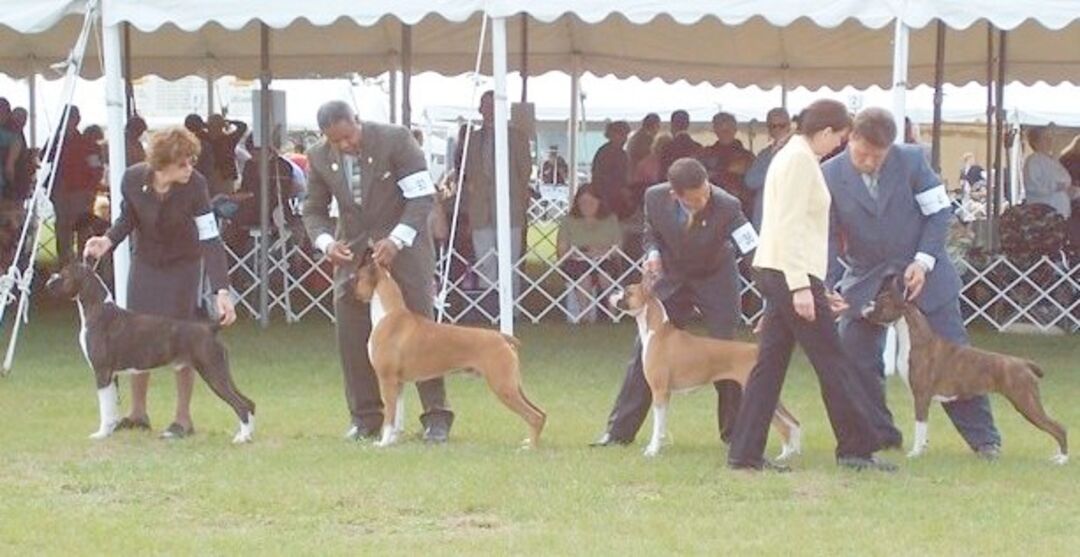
(890, 212)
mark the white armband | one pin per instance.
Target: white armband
(207, 225)
(746, 239)
(417, 184)
(933, 200)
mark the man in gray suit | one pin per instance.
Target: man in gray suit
(692, 229)
(379, 178)
(891, 213)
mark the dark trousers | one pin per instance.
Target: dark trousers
(353, 330)
(782, 328)
(864, 341)
(73, 211)
(635, 398)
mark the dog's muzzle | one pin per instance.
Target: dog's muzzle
(53, 280)
(615, 300)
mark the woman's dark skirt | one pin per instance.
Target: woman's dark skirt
(170, 291)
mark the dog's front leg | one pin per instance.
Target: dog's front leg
(108, 406)
(391, 393)
(922, 426)
(659, 427)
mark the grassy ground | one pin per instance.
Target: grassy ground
(301, 489)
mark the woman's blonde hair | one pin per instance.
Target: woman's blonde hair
(171, 146)
(662, 140)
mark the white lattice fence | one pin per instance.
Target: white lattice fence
(573, 287)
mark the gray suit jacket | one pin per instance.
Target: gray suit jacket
(702, 252)
(389, 154)
(882, 236)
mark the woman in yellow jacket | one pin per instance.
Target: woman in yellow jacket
(791, 261)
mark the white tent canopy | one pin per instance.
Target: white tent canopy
(763, 42)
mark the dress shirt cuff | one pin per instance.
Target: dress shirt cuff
(403, 235)
(797, 281)
(323, 242)
(926, 260)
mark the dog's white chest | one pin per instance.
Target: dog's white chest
(903, 350)
(378, 312)
(83, 332)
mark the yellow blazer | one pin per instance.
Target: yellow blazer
(795, 220)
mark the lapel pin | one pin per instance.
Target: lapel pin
(145, 188)
(386, 175)
(334, 166)
(369, 160)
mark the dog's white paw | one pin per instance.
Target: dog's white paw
(1060, 459)
(100, 434)
(388, 439)
(788, 452)
(652, 451)
(242, 437)
(915, 453)
(526, 445)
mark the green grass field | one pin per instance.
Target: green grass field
(300, 489)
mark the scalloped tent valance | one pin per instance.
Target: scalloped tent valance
(763, 42)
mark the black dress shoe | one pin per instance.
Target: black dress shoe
(357, 433)
(765, 465)
(859, 463)
(606, 440)
(990, 452)
(437, 433)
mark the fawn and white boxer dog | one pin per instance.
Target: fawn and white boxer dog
(677, 361)
(116, 341)
(936, 369)
(405, 347)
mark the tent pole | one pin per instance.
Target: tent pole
(900, 77)
(392, 75)
(939, 97)
(502, 178)
(524, 58)
(129, 87)
(999, 131)
(115, 101)
(31, 84)
(406, 75)
(991, 218)
(264, 174)
(575, 117)
(209, 94)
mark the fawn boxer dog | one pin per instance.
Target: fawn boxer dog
(116, 341)
(677, 361)
(405, 347)
(936, 369)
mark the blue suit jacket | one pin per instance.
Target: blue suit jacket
(883, 235)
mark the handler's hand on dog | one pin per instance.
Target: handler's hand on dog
(225, 308)
(97, 247)
(339, 253)
(384, 252)
(803, 300)
(836, 302)
(914, 280)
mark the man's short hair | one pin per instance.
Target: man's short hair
(680, 121)
(778, 112)
(333, 112)
(724, 117)
(1035, 134)
(876, 126)
(651, 118)
(686, 174)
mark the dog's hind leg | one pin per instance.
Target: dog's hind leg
(508, 388)
(216, 374)
(790, 432)
(1030, 406)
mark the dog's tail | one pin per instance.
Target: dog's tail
(1035, 369)
(512, 341)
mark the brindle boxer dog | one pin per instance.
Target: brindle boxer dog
(941, 370)
(116, 341)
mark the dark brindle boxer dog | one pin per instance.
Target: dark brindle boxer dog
(941, 370)
(116, 341)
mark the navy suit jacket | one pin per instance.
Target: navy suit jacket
(910, 215)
